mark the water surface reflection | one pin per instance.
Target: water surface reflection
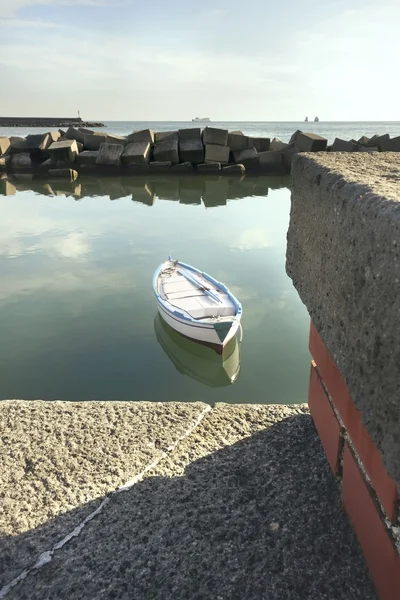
(211, 190)
(76, 302)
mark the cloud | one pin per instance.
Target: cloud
(252, 239)
(214, 12)
(183, 69)
(74, 245)
(25, 24)
(10, 8)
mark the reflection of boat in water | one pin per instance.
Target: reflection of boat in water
(197, 361)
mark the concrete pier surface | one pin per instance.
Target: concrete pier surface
(136, 500)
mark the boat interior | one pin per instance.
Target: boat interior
(193, 298)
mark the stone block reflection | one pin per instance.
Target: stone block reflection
(212, 191)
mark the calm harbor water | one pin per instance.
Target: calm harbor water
(77, 312)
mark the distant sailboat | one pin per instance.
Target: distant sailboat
(316, 120)
(306, 120)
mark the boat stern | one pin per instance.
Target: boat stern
(225, 330)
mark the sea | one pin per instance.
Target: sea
(283, 130)
(77, 309)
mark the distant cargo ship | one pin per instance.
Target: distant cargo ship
(316, 119)
(202, 119)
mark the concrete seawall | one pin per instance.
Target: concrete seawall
(81, 150)
(135, 500)
(343, 256)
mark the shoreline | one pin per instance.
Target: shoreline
(210, 150)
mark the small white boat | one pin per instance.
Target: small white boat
(195, 304)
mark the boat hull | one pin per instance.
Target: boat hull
(216, 335)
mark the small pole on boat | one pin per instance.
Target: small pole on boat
(199, 285)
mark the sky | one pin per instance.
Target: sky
(258, 60)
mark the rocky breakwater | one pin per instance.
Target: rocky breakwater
(47, 122)
(185, 151)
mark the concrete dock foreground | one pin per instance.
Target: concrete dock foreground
(171, 500)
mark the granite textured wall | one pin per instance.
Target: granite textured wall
(343, 255)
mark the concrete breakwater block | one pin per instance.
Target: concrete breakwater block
(183, 167)
(136, 152)
(293, 138)
(5, 162)
(234, 170)
(238, 141)
(340, 145)
(93, 141)
(261, 144)
(88, 157)
(191, 150)
(54, 136)
(311, 142)
(73, 133)
(68, 174)
(380, 140)
(367, 149)
(167, 150)
(18, 146)
(212, 167)
(145, 135)
(288, 154)
(85, 130)
(247, 157)
(136, 169)
(4, 145)
(277, 144)
(160, 166)
(23, 176)
(389, 145)
(270, 160)
(162, 136)
(110, 154)
(45, 165)
(212, 135)
(193, 133)
(21, 162)
(116, 139)
(217, 154)
(37, 142)
(63, 150)
(364, 140)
